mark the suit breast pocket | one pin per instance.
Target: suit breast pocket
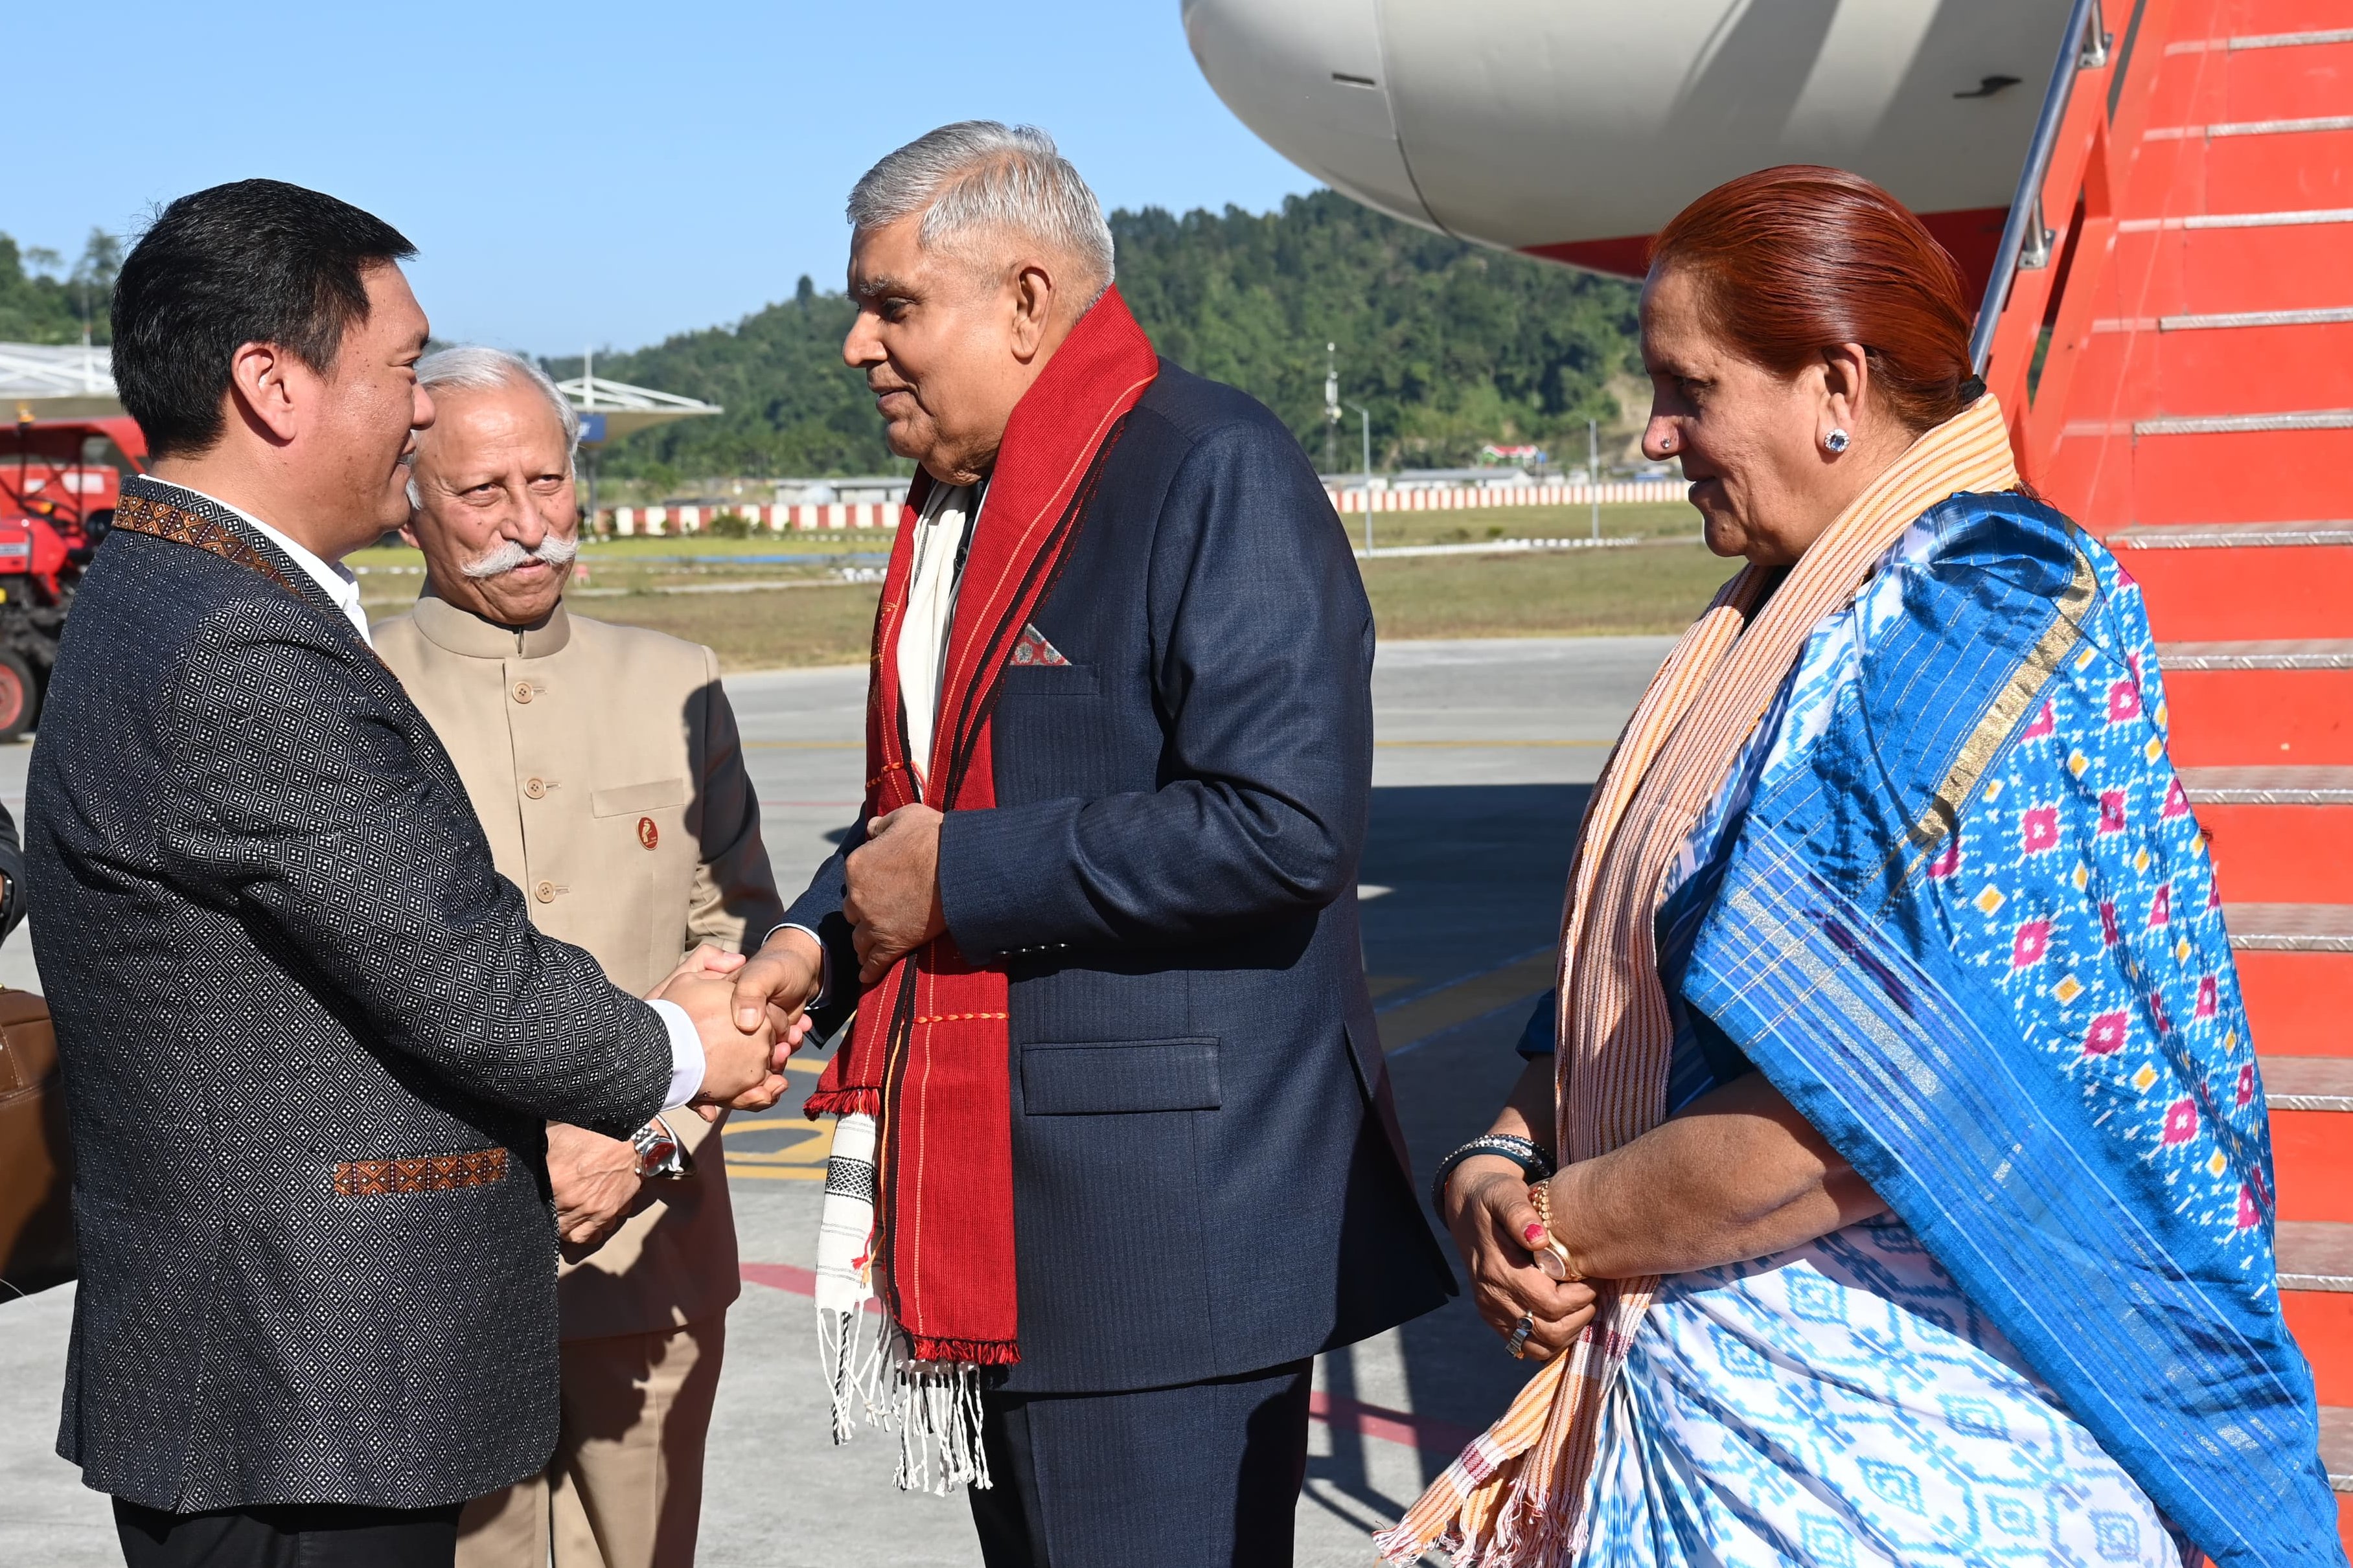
(1049, 680)
(628, 800)
(1106, 1077)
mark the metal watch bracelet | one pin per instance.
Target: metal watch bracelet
(1534, 1161)
(660, 1156)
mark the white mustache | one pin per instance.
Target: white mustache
(555, 550)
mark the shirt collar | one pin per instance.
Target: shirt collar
(469, 636)
(335, 580)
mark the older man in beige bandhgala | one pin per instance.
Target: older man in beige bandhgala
(603, 763)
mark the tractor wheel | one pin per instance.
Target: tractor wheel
(20, 696)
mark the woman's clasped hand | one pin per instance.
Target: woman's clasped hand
(1497, 1229)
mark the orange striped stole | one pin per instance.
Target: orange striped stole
(1517, 1497)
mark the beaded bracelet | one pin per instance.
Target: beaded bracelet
(1532, 1162)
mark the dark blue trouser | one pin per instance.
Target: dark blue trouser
(1191, 1477)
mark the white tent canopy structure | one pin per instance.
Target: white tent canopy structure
(627, 409)
(39, 380)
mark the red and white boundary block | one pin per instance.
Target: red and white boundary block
(669, 520)
(1615, 492)
(659, 521)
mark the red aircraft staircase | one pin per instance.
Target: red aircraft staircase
(2170, 325)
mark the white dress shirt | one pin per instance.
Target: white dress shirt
(334, 579)
(340, 585)
(930, 611)
(950, 514)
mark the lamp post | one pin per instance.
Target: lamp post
(1593, 470)
(1331, 400)
(1364, 424)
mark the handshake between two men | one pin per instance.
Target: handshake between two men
(752, 1014)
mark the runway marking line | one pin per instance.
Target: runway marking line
(813, 1149)
(1338, 1412)
(1417, 1016)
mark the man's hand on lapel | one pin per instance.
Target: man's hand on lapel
(894, 897)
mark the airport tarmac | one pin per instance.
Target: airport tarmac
(1482, 750)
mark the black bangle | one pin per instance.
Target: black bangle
(1532, 1162)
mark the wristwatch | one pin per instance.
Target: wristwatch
(660, 1156)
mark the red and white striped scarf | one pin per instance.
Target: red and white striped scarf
(1516, 1498)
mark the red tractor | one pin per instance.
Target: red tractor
(59, 484)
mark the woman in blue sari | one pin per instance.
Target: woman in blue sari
(1914, 1202)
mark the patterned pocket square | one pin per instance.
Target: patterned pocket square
(1033, 648)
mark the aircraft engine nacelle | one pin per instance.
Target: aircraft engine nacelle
(1574, 129)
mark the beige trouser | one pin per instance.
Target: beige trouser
(625, 1488)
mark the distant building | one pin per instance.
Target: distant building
(871, 489)
(1532, 457)
(1482, 479)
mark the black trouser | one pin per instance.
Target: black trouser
(293, 1535)
(1204, 1474)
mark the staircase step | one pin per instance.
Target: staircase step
(2310, 1100)
(2198, 223)
(2229, 268)
(2312, 1156)
(2205, 581)
(2295, 999)
(2229, 128)
(2281, 24)
(2311, 1104)
(2224, 363)
(2336, 1445)
(2260, 703)
(2318, 1308)
(2268, 786)
(2265, 654)
(2228, 320)
(2313, 1084)
(2337, 1455)
(2295, 969)
(2245, 424)
(2253, 467)
(2315, 1282)
(2269, 74)
(2289, 927)
(2279, 835)
(2266, 166)
(2229, 535)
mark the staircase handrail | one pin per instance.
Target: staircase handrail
(2084, 47)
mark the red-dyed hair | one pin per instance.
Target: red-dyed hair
(1794, 260)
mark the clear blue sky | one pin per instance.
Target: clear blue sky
(595, 172)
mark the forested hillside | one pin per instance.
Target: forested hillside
(1450, 345)
(42, 302)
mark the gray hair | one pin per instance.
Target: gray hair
(473, 368)
(470, 367)
(980, 175)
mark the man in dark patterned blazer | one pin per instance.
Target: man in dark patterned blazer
(311, 1038)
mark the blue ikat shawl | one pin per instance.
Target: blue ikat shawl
(1969, 927)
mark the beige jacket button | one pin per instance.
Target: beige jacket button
(523, 690)
(534, 788)
(546, 891)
